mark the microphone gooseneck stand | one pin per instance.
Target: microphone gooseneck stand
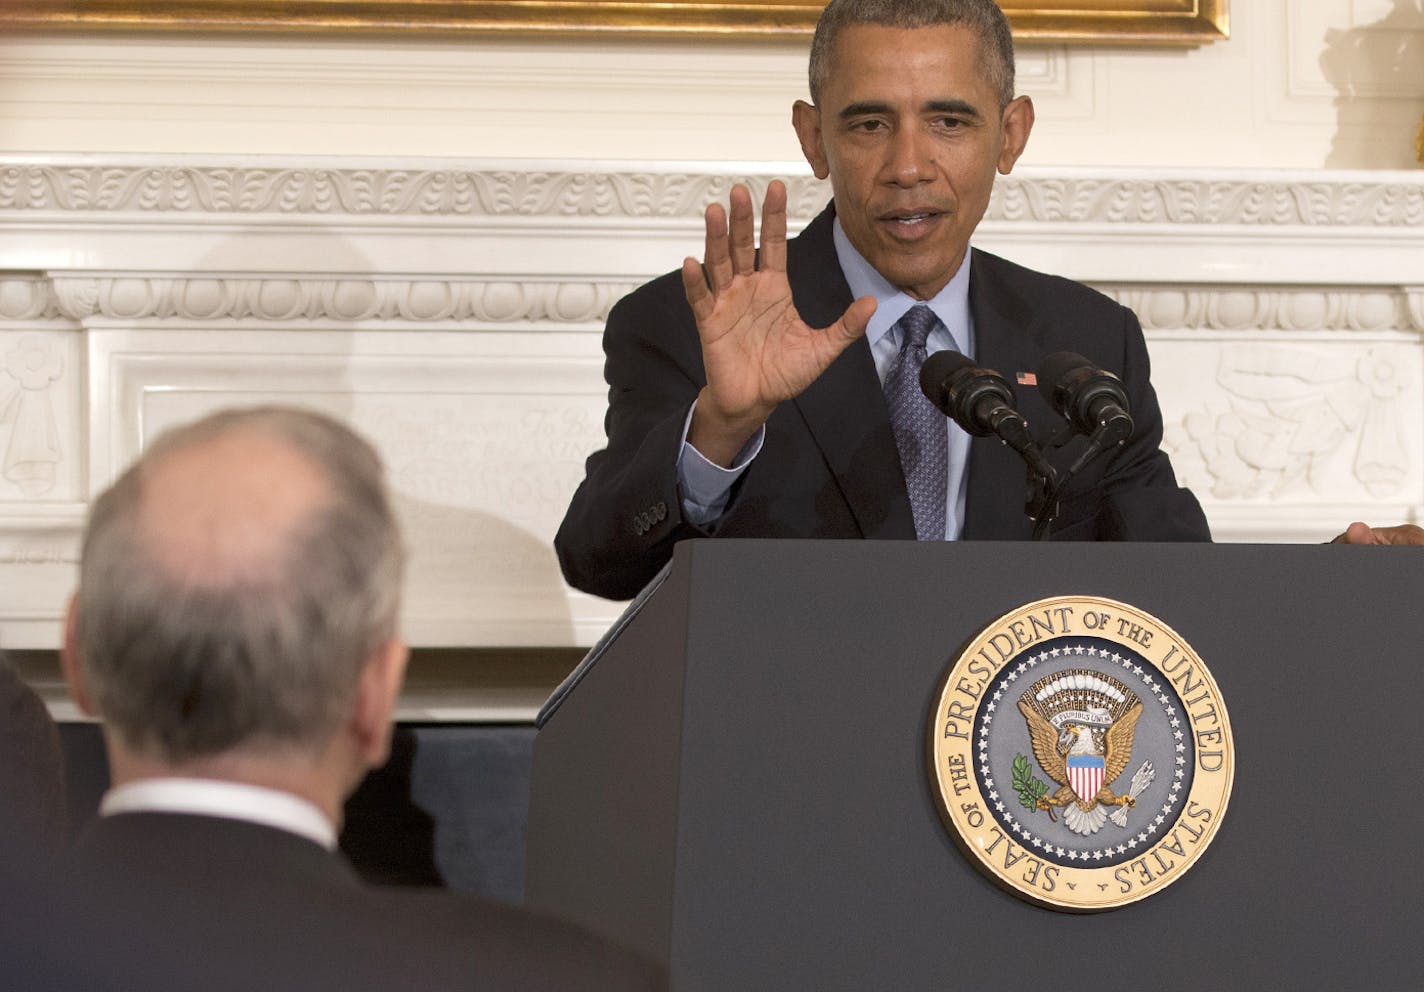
(1092, 402)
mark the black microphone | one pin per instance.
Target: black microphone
(1092, 400)
(982, 402)
(978, 400)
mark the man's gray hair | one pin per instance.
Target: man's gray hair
(983, 17)
(183, 670)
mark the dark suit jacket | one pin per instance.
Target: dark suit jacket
(829, 467)
(196, 902)
(33, 805)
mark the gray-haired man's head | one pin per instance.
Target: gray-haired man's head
(234, 583)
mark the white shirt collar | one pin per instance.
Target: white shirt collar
(950, 304)
(231, 800)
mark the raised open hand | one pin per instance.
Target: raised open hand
(756, 350)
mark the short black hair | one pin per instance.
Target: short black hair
(983, 17)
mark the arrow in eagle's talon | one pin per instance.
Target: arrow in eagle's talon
(1141, 779)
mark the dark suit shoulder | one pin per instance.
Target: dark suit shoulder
(1023, 315)
(651, 333)
(33, 805)
(503, 943)
(205, 902)
(665, 291)
(1002, 273)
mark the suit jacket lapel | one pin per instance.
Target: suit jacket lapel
(844, 409)
(1007, 341)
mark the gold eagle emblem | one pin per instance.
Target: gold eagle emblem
(1081, 724)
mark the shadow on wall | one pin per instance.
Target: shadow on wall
(1368, 65)
(461, 486)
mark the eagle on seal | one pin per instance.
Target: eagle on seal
(1084, 754)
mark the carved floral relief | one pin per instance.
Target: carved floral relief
(1295, 415)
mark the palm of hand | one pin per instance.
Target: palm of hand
(756, 348)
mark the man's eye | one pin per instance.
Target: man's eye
(868, 126)
(948, 123)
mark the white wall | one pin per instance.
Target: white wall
(1300, 84)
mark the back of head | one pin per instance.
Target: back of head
(234, 582)
(983, 17)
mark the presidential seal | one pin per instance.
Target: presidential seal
(1081, 753)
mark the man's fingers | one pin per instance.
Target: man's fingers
(853, 322)
(1356, 533)
(1399, 534)
(743, 231)
(731, 248)
(773, 227)
(694, 284)
(716, 257)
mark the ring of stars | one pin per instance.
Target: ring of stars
(1159, 691)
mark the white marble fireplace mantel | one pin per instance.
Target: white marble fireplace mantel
(452, 310)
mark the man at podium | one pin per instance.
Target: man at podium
(775, 393)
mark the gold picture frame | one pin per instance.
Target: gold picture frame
(1163, 22)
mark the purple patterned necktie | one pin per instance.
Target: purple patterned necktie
(921, 431)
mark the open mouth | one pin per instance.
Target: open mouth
(909, 223)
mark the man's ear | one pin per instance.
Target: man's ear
(69, 660)
(807, 121)
(377, 692)
(1018, 122)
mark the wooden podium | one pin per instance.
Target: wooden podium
(736, 783)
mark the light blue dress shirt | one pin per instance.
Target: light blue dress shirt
(706, 486)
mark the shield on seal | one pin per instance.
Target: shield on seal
(1085, 774)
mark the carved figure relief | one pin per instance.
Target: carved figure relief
(32, 449)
